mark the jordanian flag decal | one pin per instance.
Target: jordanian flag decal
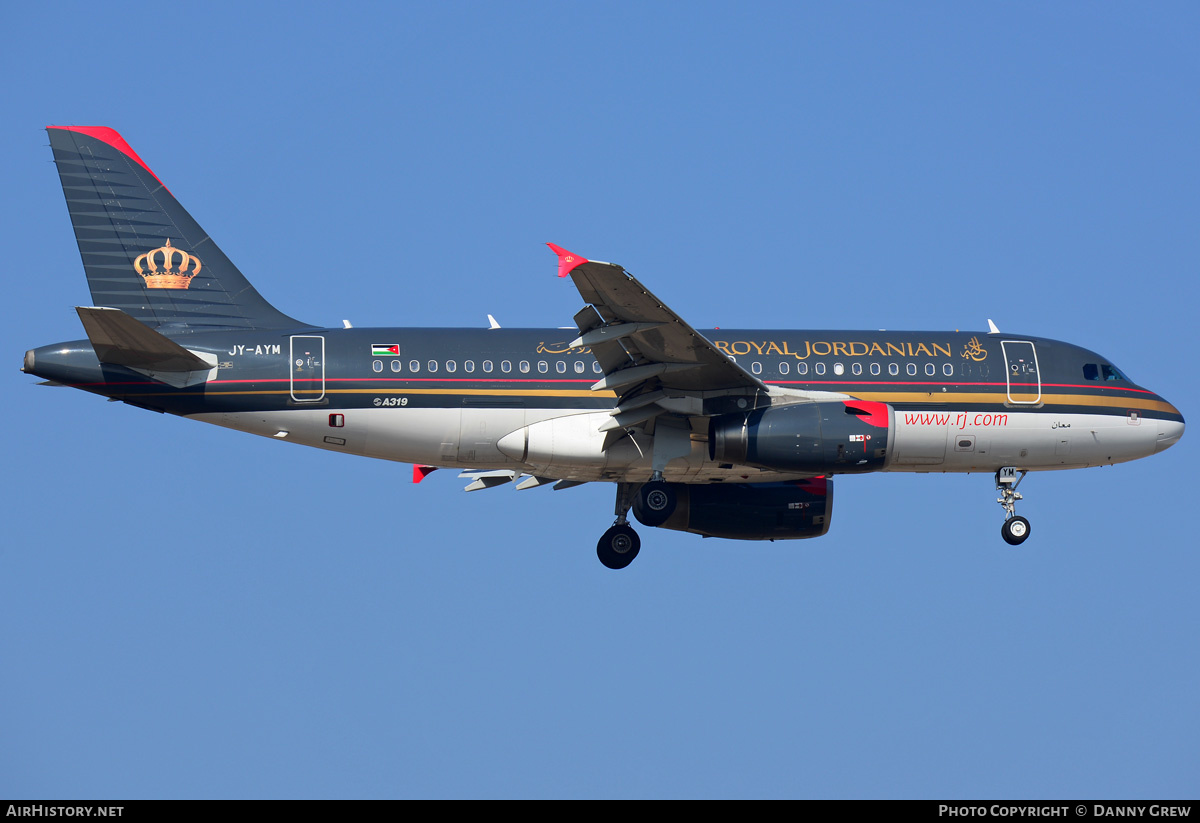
(385, 349)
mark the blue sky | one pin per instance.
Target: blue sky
(193, 612)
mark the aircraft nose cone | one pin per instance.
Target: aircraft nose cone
(1169, 432)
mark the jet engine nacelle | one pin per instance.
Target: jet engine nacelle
(829, 437)
(750, 511)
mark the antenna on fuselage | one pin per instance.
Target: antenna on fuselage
(492, 324)
(992, 327)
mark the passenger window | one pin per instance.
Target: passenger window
(801, 368)
(451, 366)
(487, 366)
(506, 366)
(560, 366)
(468, 365)
(579, 367)
(856, 368)
(838, 368)
(431, 365)
(930, 369)
(911, 369)
(756, 368)
(819, 368)
(596, 367)
(414, 366)
(784, 367)
(948, 370)
(543, 366)
(875, 368)
(524, 367)
(396, 366)
(893, 369)
(377, 365)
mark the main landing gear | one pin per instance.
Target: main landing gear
(620, 544)
(653, 502)
(1015, 528)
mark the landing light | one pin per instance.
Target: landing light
(280, 434)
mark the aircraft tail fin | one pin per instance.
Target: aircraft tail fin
(142, 252)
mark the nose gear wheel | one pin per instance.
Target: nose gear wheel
(1015, 529)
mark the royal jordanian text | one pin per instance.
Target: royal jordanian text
(827, 348)
(38, 810)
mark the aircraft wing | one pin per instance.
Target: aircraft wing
(652, 359)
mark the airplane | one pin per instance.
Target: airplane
(731, 433)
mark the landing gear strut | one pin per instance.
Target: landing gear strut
(1015, 528)
(620, 544)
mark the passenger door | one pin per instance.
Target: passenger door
(1021, 372)
(308, 368)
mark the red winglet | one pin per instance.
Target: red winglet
(112, 138)
(421, 472)
(566, 260)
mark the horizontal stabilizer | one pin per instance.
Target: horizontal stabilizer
(123, 341)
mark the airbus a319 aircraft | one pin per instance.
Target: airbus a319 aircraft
(733, 434)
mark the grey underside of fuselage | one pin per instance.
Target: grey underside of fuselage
(467, 439)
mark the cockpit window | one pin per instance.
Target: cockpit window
(1103, 371)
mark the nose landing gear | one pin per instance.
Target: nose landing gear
(1016, 528)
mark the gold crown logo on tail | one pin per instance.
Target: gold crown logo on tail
(167, 277)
